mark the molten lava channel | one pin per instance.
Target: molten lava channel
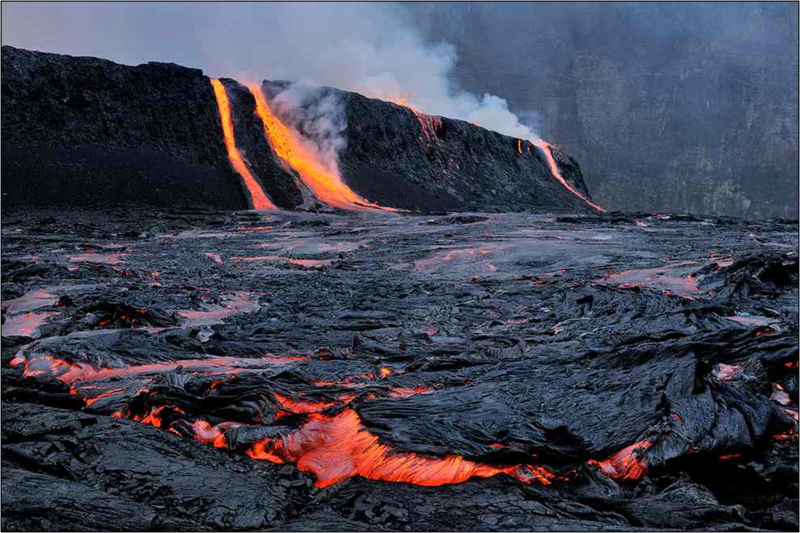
(331, 441)
(326, 185)
(258, 197)
(556, 173)
(430, 124)
(338, 447)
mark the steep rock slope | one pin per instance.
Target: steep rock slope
(86, 131)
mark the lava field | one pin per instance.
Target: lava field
(190, 369)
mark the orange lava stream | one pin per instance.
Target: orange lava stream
(327, 186)
(90, 401)
(626, 464)
(335, 448)
(257, 196)
(300, 406)
(551, 162)
(70, 373)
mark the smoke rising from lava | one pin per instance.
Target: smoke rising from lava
(375, 49)
(320, 119)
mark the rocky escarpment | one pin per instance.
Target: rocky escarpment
(397, 156)
(86, 131)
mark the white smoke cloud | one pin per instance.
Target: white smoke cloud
(318, 117)
(372, 48)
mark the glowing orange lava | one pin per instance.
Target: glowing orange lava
(627, 463)
(70, 373)
(402, 392)
(257, 196)
(335, 448)
(327, 186)
(205, 432)
(90, 401)
(551, 162)
(301, 406)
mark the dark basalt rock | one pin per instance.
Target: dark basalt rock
(84, 131)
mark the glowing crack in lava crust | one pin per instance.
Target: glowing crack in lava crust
(257, 196)
(326, 185)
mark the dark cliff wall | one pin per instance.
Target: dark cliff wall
(681, 107)
(399, 158)
(89, 132)
(392, 151)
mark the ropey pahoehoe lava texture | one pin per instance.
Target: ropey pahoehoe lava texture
(189, 369)
(86, 132)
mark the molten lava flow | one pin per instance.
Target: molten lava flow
(404, 99)
(626, 464)
(70, 373)
(300, 406)
(335, 448)
(401, 392)
(326, 185)
(729, 457)
(257, 196)
(152, 418)
(727, 372)
(429, 124)
(551, 162)
(205, 432)
(26, 325)
(90, 401)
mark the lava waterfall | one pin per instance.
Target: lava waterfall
(85, 131)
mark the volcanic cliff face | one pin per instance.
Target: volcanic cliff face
(86, 131)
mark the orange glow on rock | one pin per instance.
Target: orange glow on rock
(257, 196)
(300, 406)
(206, 433)
(326, 185)
(627, 463)
(400, 392)
(339, 447)
(729, 456)
(90, 401)
(70, 373)
(152, 418)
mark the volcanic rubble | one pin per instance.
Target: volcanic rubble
(190, 369)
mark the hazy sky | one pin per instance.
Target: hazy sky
(376, 49)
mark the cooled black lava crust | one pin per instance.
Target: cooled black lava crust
(507, 339)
